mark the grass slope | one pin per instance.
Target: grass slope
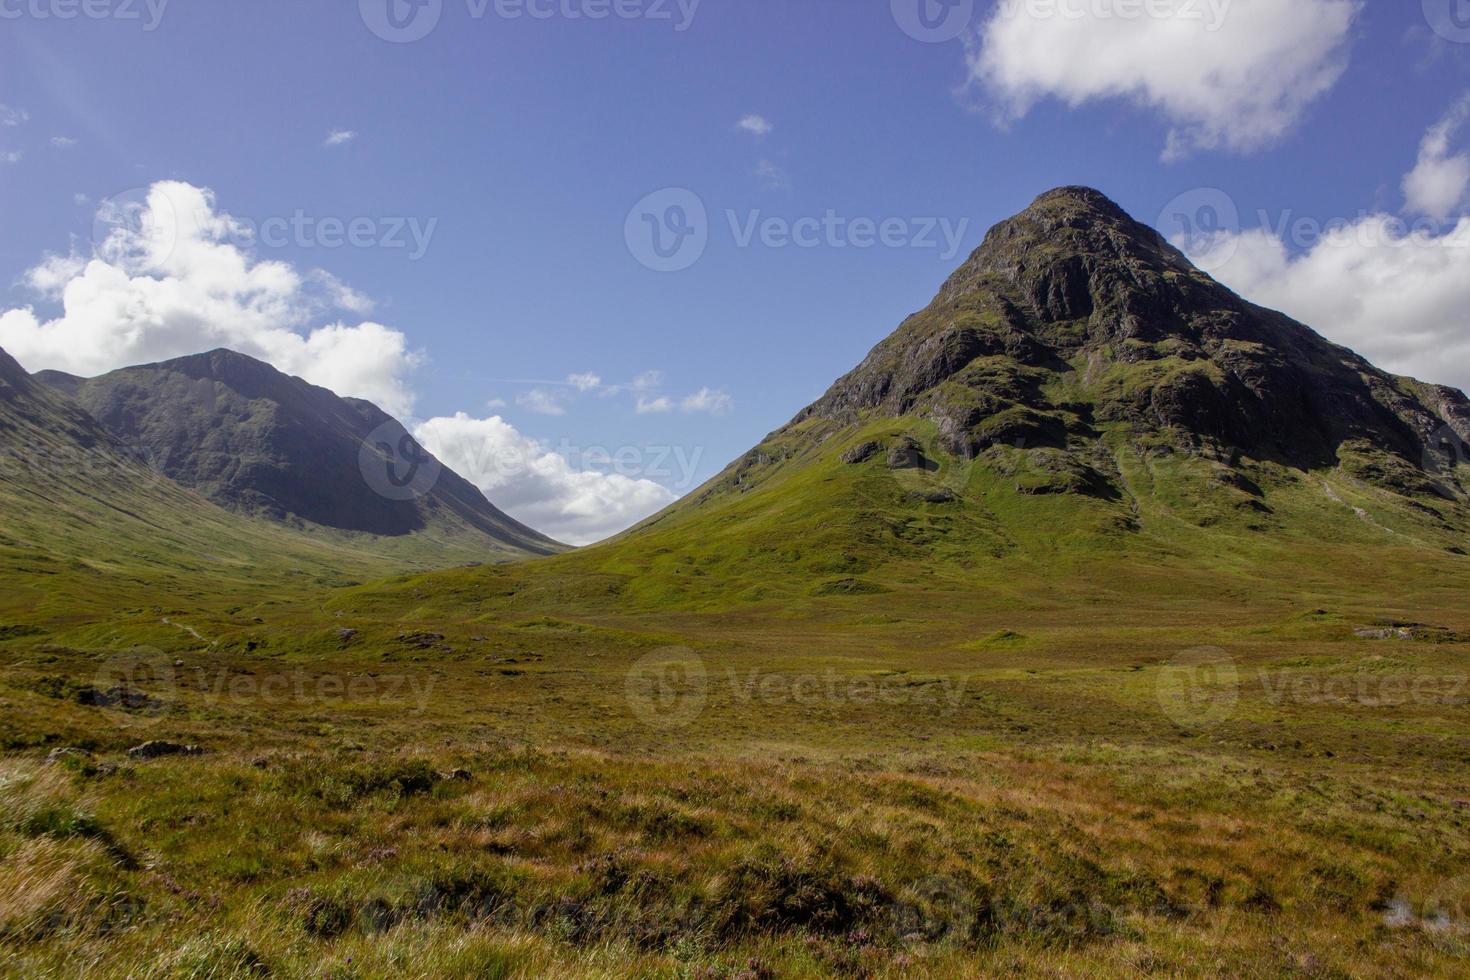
(89, 533)
(268, 446)
(819, 726)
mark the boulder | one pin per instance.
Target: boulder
(158, 748)
(862, 453)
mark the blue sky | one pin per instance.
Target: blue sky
(516, 148)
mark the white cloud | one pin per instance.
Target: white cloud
(703, 400)
(12, 117)
(340, 295)
(1400, 299)
(340, 137)
(50, 277)
(1437, 185)
(645, 382)
(166, 281)
(537, 486)
(772, 175)
(707, 400)
(556, 397)
(63, 142)
(542, 402)
(755, 125)
(650, 406)
(1395, 292)
(80, 199)
(1232, 74)
(10, 156)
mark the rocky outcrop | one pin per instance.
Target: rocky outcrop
(158, 748)
(1072, 315)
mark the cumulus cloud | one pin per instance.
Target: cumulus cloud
(1396, 292)
(642, 384)
(704, 400)
(12, 117)
(1437, 185)
(1399, 297)
(1231, 74)
(167, 277)
(557, 397)
(652, 406)
(63, 142)
(538, 486)
(167, 280)
(755, 125)
(50, 276)
(339, 137)
(542, 402)
(341, 295)
(10, 156)
(708, 400)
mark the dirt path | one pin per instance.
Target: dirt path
(187, 629)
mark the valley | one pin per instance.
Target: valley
(1098, 624)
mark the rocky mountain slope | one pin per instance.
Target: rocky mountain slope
(1073, 316)
(1077, 396)
(261, 443)
(86, 526)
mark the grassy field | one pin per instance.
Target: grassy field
(502, 772)
(825, 718)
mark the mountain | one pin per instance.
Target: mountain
(1072, 316)
(1078, 408)
(264, 444)
(87, 529)
(34, 418)
(1074, 332)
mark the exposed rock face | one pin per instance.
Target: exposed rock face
(259, 442)
(907, 455)
(1072, 314)
(158, 748)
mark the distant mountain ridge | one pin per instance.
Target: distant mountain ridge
(86, 526)
(31, 410)
(262, 443)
